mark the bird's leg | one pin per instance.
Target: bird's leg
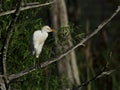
(38, 64)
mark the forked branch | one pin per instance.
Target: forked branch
(99, 75)
(28, 6)
(8, 37)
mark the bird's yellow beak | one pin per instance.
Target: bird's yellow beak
(52, 30)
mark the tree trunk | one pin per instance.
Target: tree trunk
(88, 53)
(67, 67)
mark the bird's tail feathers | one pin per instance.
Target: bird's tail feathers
(37, 56)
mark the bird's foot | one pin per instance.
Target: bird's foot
(38, 64)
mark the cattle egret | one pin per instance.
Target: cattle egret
(38, 39)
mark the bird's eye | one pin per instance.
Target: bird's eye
(48, 28)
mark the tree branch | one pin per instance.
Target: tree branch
(99, 75)
(44, 64)
(8, 37)
(33, 5)
(102, 73)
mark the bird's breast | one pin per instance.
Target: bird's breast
(44, 37)
(39, 37)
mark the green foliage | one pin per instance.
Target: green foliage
(63, 34)
(19, 56)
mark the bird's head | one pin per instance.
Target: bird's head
(47, 29)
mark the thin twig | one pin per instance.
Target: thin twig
(8, 37)
(30, 4)
(26, 8)
(1, 75)
(44, 64)
(99, 75)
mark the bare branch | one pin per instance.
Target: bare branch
(8, 37)
(1, 76)
(99, 75)
(102, 73)
(44, 64)
(32, 5)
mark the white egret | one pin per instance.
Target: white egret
(38, 39)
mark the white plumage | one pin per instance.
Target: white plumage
(38, 39)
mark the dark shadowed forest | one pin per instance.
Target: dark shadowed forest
(82, 54)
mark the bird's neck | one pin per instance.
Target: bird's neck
(44, 31)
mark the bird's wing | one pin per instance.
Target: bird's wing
(37, 37)
(38, 40)
(35, 40)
